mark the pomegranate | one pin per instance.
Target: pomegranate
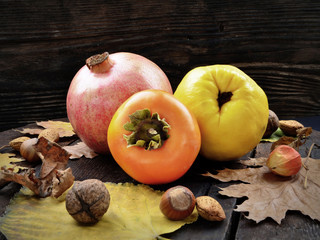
(284, 161)
(101, 86)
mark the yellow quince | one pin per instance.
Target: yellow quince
(231, 109)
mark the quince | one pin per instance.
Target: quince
(231, 109)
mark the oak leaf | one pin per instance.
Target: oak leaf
(31, 131)
(64, 128)
(80, 149)
(270, 195)
(133, 214)
(8, 162)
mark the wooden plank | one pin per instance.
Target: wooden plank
(205, 230)
(21, 108)
(44, 44)
(106, 169)
(235, 226)
(295, 225)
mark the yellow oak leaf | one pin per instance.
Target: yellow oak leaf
(270, 195)
(133, 214)
(64, 128)
(9, 160)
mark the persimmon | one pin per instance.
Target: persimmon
(154, 137)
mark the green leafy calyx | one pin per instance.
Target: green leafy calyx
(148, 131)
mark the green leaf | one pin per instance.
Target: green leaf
(133, 214)
(274, 136)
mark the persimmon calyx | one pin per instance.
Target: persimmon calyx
(148, 131)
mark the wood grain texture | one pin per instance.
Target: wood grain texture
(295, 225)
(44, 44)
(235, 226)
(105, 168)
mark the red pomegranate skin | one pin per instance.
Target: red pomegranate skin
(93, 98)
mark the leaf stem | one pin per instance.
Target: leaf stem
(305, 185)
(306, 180)
(161, 238)
(4, 146)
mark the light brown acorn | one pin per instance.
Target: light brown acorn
(177, 203)
(28, 151)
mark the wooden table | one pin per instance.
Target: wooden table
(277, 43)
(235, 226)
(45, 43)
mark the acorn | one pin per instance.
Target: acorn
(28, 151)
(177, 203)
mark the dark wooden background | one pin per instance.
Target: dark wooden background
(44, 43)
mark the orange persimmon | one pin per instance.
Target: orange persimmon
(153, 137)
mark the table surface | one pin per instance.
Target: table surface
(235, 226)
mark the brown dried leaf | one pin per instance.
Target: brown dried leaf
(31, 131)
(270, 195)
(54, 177)
(80, 149)
(54, 158)
(295, 143)
(254, 162)
(61, 182)
(304, 132)
(65, 128)
(9, 162)
(26, 178)
(283, 141)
